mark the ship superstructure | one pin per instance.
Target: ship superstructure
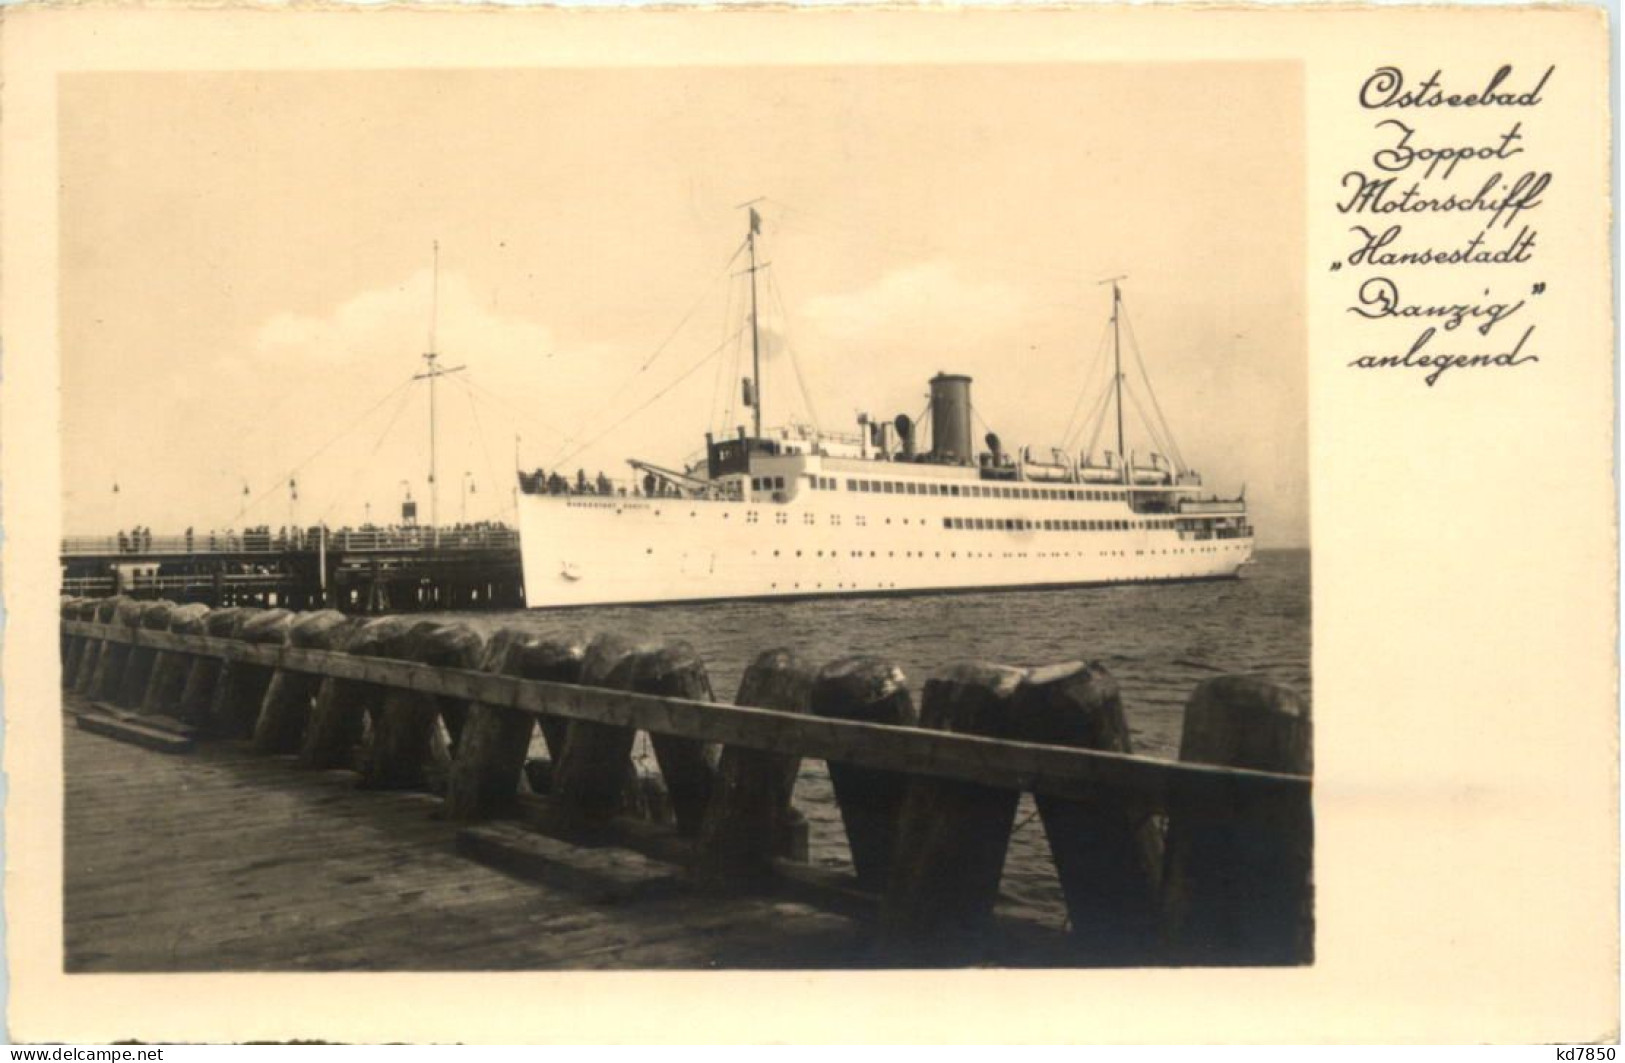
(794, 512)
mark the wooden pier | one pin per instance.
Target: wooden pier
(340, 793)
(356, 571)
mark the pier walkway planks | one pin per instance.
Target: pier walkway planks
(222, 860)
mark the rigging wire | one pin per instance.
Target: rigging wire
(659, 349)
(1171, 446)
(977, 413)
(319, 451)
(365, 464)
(1099, 420)
(919, 420)
(515, 412)
(1150, 428)
(485, 449)
(716, 381)
(1083, 391)
(795, 363)
(735, 373)
(657, 396)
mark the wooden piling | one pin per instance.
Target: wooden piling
(104, 684)
(85, 678)
(1239, 885)
(452, 646)
(592, 778)
(750, 816)
(338, 720)
(125, 614)
(495, 740)
(687, 765)
(558, 659)
(952, 836)
(83, 609)
(154, 616)
(1107, 850)
(285, 710)
(241, 686)
(870, 690)
(408, 749)
(203, 674)
(170, 667)
(67, 609)
(63, 603)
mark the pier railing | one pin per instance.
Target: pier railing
(366, 540)
(1203, 861)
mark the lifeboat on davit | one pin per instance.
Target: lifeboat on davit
(1058, 470)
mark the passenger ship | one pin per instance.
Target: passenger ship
(794, 512)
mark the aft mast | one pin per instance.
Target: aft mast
(755, 393)
(1117, 366)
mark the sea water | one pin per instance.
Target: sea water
(1158, 640)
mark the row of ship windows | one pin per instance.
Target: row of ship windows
(908, 487)
(954, 554)
(1017, 524)
(998, 524)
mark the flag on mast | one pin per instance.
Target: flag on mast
(755, 221)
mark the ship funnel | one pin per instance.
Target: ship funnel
(905, 434)
(950, 419)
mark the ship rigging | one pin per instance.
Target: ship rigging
(798, 511)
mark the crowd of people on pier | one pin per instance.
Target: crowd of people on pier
(137, 540)
(265, 539)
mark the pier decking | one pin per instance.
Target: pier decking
(314, 792)
(223, 860)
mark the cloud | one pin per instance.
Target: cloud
(931, 305)
(332, 393)
(386, 324)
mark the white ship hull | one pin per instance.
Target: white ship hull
(597, 550)
(789, 513)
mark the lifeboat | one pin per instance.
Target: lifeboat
(1057, 471)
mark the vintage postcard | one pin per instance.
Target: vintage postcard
(1033, 524)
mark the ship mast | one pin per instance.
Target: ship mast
(432, 374)
(755, 335)
(1117, 366)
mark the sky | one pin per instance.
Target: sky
(248, 281)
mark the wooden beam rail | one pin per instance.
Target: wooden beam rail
(1076, 774)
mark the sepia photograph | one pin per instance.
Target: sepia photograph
(685, 518)
(857, 525)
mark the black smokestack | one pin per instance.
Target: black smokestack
(950, 419)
